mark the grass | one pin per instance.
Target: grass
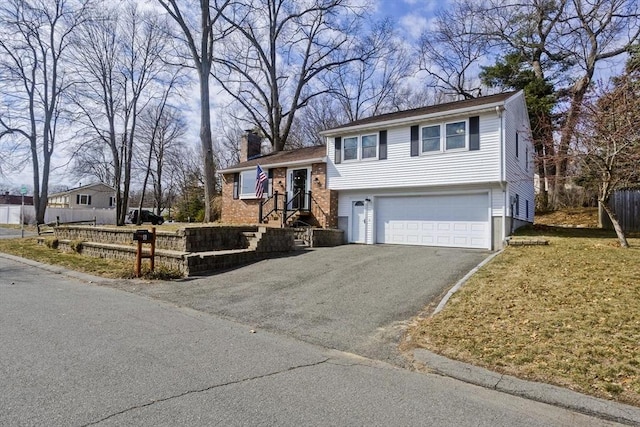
(110, 268)
(565, 314)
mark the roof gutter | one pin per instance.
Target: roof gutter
(322, 159)
(413, 120)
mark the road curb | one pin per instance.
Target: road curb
(539, 392)
(462, 281)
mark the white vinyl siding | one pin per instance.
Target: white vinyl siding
(518, 146)
(399, 169)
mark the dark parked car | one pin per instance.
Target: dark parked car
(147, 216)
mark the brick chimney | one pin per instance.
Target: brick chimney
(249, 145)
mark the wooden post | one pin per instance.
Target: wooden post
(152, 255)
(144, 236)
(139, 259)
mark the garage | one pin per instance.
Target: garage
(458, 220)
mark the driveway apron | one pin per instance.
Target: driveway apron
(354, 298)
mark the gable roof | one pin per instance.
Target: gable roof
(315, 154)
(420, 113)
(82, 187)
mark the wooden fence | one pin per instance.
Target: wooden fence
(626, 205)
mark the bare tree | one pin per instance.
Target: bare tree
(119, 59)
(162, 128)
(608, 141)
(321, 113)
(564, 41)
(93, 160)
(278, 51)
(372, 86)
(35, 37)
(451, 51)
(199, 40)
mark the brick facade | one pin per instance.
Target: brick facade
(324, 204)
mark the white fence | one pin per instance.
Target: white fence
(10, 214)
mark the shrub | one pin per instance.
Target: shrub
(51, 242)
(76, 246)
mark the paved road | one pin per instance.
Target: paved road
(12, 233)
(354, 298)
(77, 354)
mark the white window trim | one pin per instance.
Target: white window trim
(443, 138)
(359, 157)
(440, 149)
(86, 196)
(344, 146)
(252, 194)
(466, 136)
(377, 137)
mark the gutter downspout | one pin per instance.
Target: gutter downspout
(503, 184)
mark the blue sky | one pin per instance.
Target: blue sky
(412, 16)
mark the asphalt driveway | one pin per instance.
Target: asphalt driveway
(354, 298)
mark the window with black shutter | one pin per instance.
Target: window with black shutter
(338, 150)
(415, 141)
(474, 133)
(382, 154)
(236, 185)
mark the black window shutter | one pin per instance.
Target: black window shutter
(338, 157)
(474, 133)
(415, 142)
(382, 153)
(236, 185)
(517, 145)
(89, 200)
(77, 199)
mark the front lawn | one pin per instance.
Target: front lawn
(565, 314)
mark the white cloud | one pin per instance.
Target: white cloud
(414, 25)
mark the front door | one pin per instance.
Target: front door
(298, 189)
(358, 223)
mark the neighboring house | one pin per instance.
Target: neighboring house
(98, 196)
(12, 199)
(458, 174)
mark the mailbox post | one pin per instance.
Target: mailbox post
(145, 236)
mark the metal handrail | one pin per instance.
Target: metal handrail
(287, 210)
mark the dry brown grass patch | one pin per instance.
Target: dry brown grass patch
(110, 268)
(567, 314)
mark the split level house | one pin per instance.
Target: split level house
(457, 174)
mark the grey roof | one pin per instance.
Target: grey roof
(431, 109)
(278, 157)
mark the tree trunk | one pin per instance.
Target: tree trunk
(616, 225)
(207, 143)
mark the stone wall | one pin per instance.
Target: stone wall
(174, 261)
(275, 240)
(216, 238)
(326, 237)
(191, 250)
(189, 239)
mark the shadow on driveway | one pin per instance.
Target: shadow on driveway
(353, 298)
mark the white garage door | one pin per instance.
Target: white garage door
(449, 220)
